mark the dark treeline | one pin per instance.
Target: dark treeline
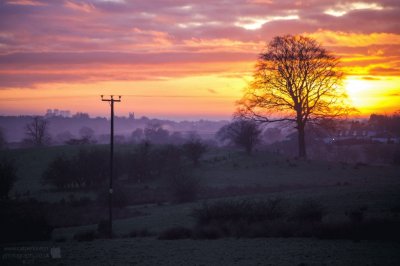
(62, 128)
(87, 171)
(144, 163)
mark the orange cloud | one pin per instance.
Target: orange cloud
(25, 3)
(349, 39)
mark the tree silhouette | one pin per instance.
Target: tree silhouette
(2, 139)
(154, 133)
(8, 176)
(194, 149)
(87, 135)
(243, 133)
(37, 131)
(295, 80)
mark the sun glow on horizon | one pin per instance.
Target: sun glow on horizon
(182, 59)
(374, 95)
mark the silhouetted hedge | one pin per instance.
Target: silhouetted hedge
(8, 176)
(273, 218)
(23, 221)
(89, 168)
(88, 235)
(175, 233)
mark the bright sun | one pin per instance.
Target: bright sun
(377, 95)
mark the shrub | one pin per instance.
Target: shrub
(208, 232)
(92, 167)
(308, 211)
(144, 232)
(119, 197)
(81, 202)
(140, 163)
(87, 235)
(175, 233)
(396, 156)
(375, 229)
(184, 187)
(88, 168)
(23, 221)
(59, 172)
(249, 211)
(247, 219)
(194, 149)
(8, 177)
(356, 215)
(60, 239)
(103, 228)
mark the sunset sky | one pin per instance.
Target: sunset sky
(182, 59)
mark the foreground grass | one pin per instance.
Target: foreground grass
(150, 251)
(233, 176)
(380, 200)
(223, 172)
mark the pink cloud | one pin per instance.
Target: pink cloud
(80, 6)
(74, 34)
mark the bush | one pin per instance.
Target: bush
(81, 202)
(89, 168)
(144, 232)
(23, 221)
(208, 232)
(249, 219)
(308, 211)
(103, 228)
(194, 150)
(374, 229)
(175, 233)
(396, 156)
(8, 177)
(140, 163)
(119, 197)
(233, 211)
(87, 235)
(184, 187)
(245, 218)
(58, 173)
(356, 215)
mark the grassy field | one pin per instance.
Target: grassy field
(231, 175)
(148, 251)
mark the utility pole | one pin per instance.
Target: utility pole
(111, 100)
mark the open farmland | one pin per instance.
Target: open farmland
(228, 176)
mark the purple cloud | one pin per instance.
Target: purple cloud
(78, 33)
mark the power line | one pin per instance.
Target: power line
(125, 95)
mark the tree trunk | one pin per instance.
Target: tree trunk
(302, 141)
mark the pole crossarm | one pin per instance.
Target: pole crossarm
(111, 99)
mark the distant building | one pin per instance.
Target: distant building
(57, 113)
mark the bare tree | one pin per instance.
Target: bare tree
(87, 135)
(37, 131)
(2, 139)
(243, 133)
(194, 149)
(8, 177)
(296, 80)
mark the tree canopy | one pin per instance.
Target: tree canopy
(243, 133)
(295, 80)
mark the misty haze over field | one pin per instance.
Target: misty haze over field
(63, 125)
